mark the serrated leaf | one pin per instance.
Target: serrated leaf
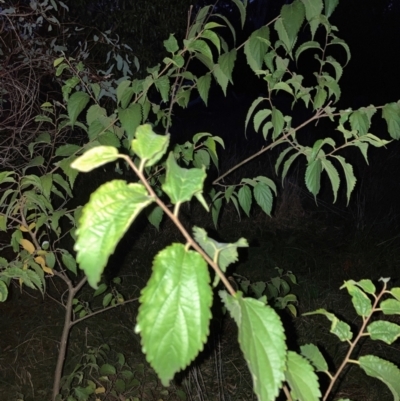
(76, 103)
(67, 150)
(305, 46)
(320, 98)
(292, 19)
(245, 199)
(94, 158)
(301, 378)
(182, 184)
(349, 174)
(341, 329)
(391, 113)
(260, 117)
(314, 355)
(313, 11)
(130, 118)
(226, 62)
(27, 245)
(174, 314)
(383, 370)
(203, 86)
(255, 48)
(362, 304)
(251, 110)
(263, 196)
(333, 176)
(242, 11)
(104, 220)
(262, 341)
(149, 146)
(330, 6)
(278, 122)
(213, 38)
(171, 44)
(221, 78)
(387, 332)
(313, 177)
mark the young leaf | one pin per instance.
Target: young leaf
(262, 341)
(263, 197)
(180, 183)
(301, 378)
(94, 158)
(149, 146)
(104, 220)
(174, 314)
(387, 332)
(314, 355)
(383, 370)
(339, 328)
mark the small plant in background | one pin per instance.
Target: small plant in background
(276, 289)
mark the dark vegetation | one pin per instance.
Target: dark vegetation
(320, 242)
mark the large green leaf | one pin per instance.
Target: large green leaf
(263, 196)
(255, 48)
(391, 113)
(383, 370)
(149, 146)
(387, 332)
(293, 17)
(313, 176)
(104, 220)
(130, 118)
(362, 304)
(262, 341)
(301, 378)
(182, 184)
(76, 103)
(94, 158)
(174, 314)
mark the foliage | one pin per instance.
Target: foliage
(122, 125)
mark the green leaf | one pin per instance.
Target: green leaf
(174, 314)
(104, 220)
(171, 44)
(149, 146)
(313, 177)
(313, 11)
(341, 42)
(182, 184)
(67, 150)
(263, 197)
(320, 98)
(362, 304)
(3, 291)
(301, 378)
(76, 103)
(278, 122)
(293, 17)
(213, 38)
(163, 85)
(333, 176)
(124, 93)
(262, 341)
(221, 78)
(255, 48)
(260, 117)
(94, 158)
(359, 121)
(226, 62)
(203, 86)
(215, 210)
(349, 174)
(245, 199)
(330, 6)
(314, 355)
(305, 46)
(130, 118)
(154, 215)
(69, 262)
(339, 328)
(107, 369)
(221, 253)
(387, 332)
(383, 370)
(390, 307)
(250, 112)
(242, 11)
(391, 113)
